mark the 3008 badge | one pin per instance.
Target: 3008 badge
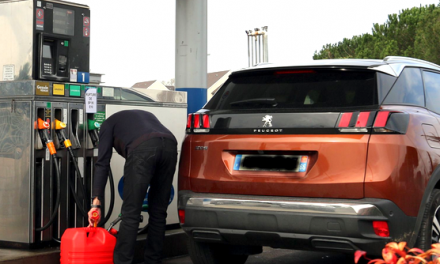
(201, 147)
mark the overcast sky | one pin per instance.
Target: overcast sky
(134, 41)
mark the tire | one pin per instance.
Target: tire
(430, 229)
(211, 253)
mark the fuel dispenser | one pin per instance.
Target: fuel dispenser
(48, 139)
(43, 46)
(32, 127)
(44, 40)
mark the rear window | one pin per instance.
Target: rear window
(134, 96)
(297, 89)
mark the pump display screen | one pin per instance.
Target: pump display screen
(47, 52)
(63, 21)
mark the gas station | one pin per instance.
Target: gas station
(50, 116)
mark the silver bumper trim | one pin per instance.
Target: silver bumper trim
(355, 209)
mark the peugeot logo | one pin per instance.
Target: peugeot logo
(267, 119)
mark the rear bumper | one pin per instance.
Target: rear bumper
(298, 223)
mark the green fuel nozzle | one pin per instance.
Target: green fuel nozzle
(93, 127)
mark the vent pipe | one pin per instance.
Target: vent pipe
(257, 46)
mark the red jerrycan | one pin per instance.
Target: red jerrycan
(92, 245)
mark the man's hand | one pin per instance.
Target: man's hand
(94, 214)
(94, 217)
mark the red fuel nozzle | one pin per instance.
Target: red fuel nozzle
(41, 124)
(43, 128)
(95, 218)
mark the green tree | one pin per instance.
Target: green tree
(427, 39)
(413, 32)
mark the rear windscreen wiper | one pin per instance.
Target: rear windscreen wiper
(258, 101)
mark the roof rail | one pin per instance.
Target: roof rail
(399, 58)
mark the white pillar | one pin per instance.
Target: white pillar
(191, 51)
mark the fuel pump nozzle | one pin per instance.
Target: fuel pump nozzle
(95, 217)
(93, 127)
(59, 129)
(43, 131)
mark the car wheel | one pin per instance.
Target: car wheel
(430, 230)
(211, 253)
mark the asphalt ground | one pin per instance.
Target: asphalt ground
(283, 256)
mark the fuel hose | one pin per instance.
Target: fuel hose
(76, 198)
(81, 206)
(119, 218)
(42, 130)
(112, 198)
(59, 126)
(93, 127)
(57, 202)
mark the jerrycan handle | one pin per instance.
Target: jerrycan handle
(90, 230)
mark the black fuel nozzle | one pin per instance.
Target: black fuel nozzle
(93, 127)
(43, 131)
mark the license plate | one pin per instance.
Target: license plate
(281, 163)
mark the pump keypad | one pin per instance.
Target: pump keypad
(47, 68)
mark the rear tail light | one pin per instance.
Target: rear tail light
(345, 120)
(182, 216)
(199, 123)
(391, 122)
(381, 119)
(381, 228)
(354, 122)
(196, 120)
(205, 121)
(360, 122)
(362, 119)
(189, 121)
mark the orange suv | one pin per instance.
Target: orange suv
(333, 155)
